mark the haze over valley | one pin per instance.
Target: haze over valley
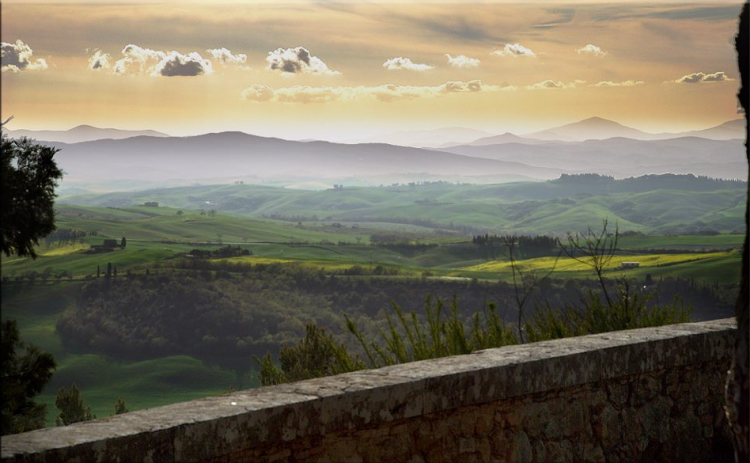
(243, 181)
(138, 158)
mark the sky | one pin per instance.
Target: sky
(340, 71)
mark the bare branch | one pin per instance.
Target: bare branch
(594, 250)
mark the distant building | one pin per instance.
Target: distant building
(151, 204)
(110, 244)
(627, 265)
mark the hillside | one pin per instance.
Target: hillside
(667, 203)
(591, 128)
(597, 128)
(233, 154)
(427, 138)
(730, 130)
(83, 133)
(624, 157)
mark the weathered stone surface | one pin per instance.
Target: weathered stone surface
(652, 394)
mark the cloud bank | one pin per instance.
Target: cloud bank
(515, 50)
(297, 61)
(226, 57)
(17, 57)
(552, 85)
(140, 60)
(386, 93)
(701, 78)
(396, 64)
(609, 83)
(100, 60)
(462, 61)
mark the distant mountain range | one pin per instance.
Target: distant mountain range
(597, 128)
(507, 137)
(625, 157)
(151, 158)
(593, 128)
(436, 138)
(731, 130)
(235, 154)
(83, 133)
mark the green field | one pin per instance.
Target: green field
(693, 235)
(102, 379)
(153, 237)
(157, 238)
(686, 242)
(653, 205)
(162, 223)
(703, 267)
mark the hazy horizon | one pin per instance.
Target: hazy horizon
(344, 71)
(498, 131)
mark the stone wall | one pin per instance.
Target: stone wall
(651, 394)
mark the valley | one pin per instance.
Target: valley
(316, 256)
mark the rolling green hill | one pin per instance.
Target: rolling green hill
(652, 204)
(334, 233)
(157, 235)
(142, 383)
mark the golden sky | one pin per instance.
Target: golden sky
(341, 71)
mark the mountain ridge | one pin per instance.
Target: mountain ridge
(231, 154)
(82, 133)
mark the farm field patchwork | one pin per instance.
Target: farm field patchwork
(390, 235)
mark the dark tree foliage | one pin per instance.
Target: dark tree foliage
(64, 236)
(120, 406)
(29, 177)
(25, 372)
(237, 309)
(314, 356)
(738, 381)
(71, 406)
(523, 241)
(227, 251)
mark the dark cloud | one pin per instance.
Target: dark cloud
(297, 60)
(702, 78)
(161, 63)
(16, 57)
(716, 77)
(99, 60)
(458, 86)
(176, 64)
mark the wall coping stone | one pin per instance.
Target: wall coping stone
(277, 414)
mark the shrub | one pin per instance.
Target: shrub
(628, 310)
